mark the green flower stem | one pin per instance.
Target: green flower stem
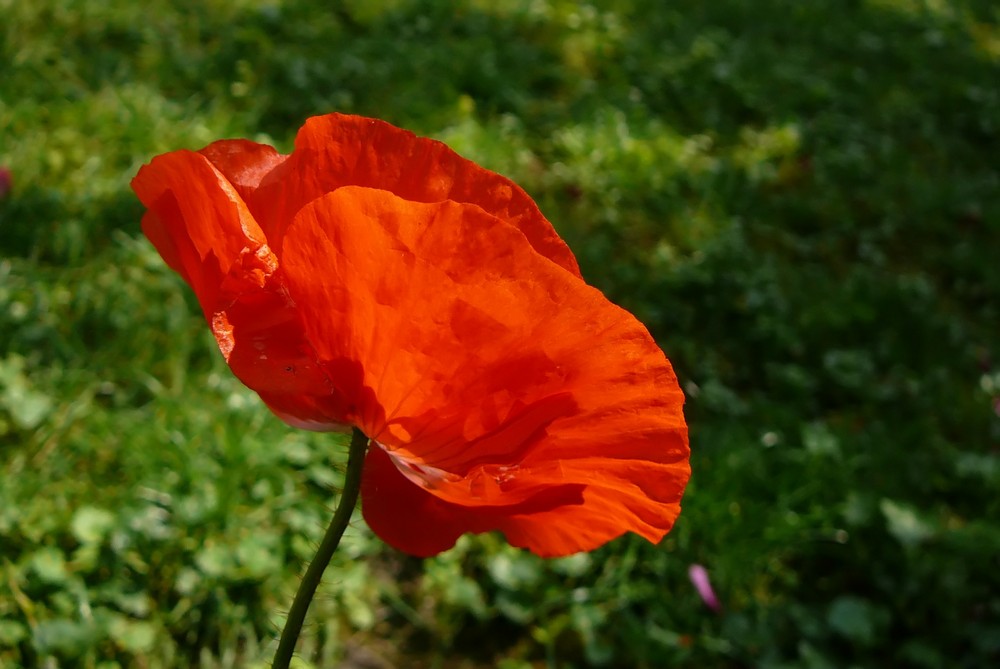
(313, 575)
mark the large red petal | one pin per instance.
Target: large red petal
(491, 375)
(338, 150)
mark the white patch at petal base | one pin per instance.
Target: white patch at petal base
(423, 475)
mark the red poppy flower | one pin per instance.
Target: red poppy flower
(375, 279)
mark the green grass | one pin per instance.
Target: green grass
(801, 200)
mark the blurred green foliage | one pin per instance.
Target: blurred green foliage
(801, 200)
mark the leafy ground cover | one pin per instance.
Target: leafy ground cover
(801, 200)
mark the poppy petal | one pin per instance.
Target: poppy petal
(201, 227)
(491, 373)
(197, 221)
(242, 162)
(637, 496)
(338, 150)
(404, 515)
(431, 525)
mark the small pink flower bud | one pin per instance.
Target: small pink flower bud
(699, 578)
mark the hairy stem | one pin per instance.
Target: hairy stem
(313, 575)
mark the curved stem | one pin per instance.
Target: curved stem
(313, 575)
